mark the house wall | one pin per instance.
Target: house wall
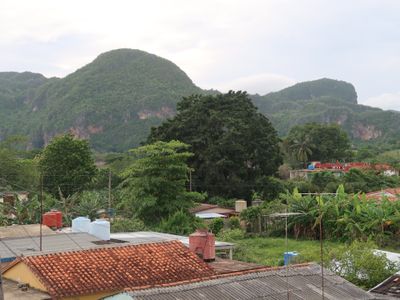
(21, 273)
(95, 296)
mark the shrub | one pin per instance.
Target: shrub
(234, 223)
(223, 202)
(360, 264)
(216, 225)
(181, 223)
(231, 235)
(127, 225)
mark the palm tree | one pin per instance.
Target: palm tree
(301, 149)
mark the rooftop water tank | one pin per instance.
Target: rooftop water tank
(52, 219)
(240, 205)
(81, 224)
(288, 257)
(100, 229)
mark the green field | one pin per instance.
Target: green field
(269, 251)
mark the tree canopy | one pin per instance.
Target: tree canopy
(67, 165)
(154, 186)
(318, 142)
(233, 144)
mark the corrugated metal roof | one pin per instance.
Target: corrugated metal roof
(142, 237)
(302, 283)
(12, 247)
(210, 215)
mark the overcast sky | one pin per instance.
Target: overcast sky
(258, 46)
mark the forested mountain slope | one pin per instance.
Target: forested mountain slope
(114, 101)
(329, 101)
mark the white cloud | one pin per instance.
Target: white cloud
(257, 45)
(385, 101)
(259, 83)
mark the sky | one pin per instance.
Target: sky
(257, 46)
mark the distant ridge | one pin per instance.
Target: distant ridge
(114, 100)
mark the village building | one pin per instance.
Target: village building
(391, 194)
(339, 169)
(212, 211)
(96, 273)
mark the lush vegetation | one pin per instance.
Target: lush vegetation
(66, 165)
(329, 101)
(317, 142)
(346, 260)
(234, 146)
(343, 217)
(154, 186)
(116, 99)
(220, 143)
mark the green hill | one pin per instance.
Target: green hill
(114, 100)
(328, 101)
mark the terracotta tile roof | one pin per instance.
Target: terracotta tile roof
(84, 272)
(202, 207)
(391, 194)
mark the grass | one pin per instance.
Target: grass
(269, 251)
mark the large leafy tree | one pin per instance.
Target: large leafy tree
(154, 186)
(67, 166)
(233, 144)
(318, 142)
(16, 171)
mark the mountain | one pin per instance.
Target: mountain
(328, 101)
(114, 100)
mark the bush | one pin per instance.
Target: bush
(216, 225)
(234, 223)
(360, 264)
(181, 223)
(127, 225)
(231, 235)
(223, 202)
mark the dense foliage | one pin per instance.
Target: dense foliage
(67, 166)
(361, 264)
(17, 171)
(233, 144)
(344, 217)
(154, 186)
(329, 101)
(318, 142)
(113, 101)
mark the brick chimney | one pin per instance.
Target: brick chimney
(202, 243)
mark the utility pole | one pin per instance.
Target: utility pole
(321, 248)
(109, 192)
(41, 212)
(1, 287)
(190, 180)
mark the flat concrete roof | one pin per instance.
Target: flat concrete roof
(142, 237)
(58, 242)
(15, 231)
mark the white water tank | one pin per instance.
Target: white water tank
(100, 229)
(81, 224)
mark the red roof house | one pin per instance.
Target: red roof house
(104, 271)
